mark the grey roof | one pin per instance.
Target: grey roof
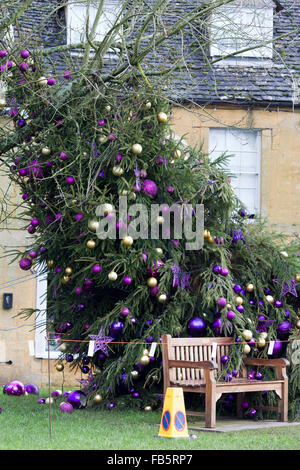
(273, 82)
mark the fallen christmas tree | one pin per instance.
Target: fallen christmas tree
(72, 147)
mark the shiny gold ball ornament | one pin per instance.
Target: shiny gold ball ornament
(160, 220)
(145, 352)
(297, 278)
(108, 107)
(261, 342)
(159, 251)
(239, 300)
(127, 240)
(177, 154)
(264, 335)
(162, 298)
(247, 334)
(269, 299)
(46, 151)
(246, 349)
(93, 225)
(112, 276)
(68, 271)
(151, 282)
(229, 306)
(137, 149)
(49, 400)
(63, 347)
(65, 280)
(249, 287)
(108, 208)
(59, 367)
(97, 398)
(148, 105)
(42, 81)
(298, 324)
(145, 360)
(134, 374)
(50, 263)
(210, 240)
(148, 408)
(91, 244)
(206, 234)
(117, 171)
(162, 117)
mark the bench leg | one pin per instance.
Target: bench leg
(239, 401)
(283, 403)
(210, 408)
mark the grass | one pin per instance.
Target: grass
(24, 425)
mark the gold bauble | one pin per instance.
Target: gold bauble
(2, 103)
(145, 360)
(297, 278)
(102, 139)
(210, 240)
(49, 400)
(247, 334)
(284, 253)
(50, 263)
(159, 251)
(206, 233)
(63, 347)
(239, 300)
(134, 374)
(228, 306)
(112, 276)
(68, 271)
(137, 149)
(117, 171)
(148, 408)
(261, 342)
(298, 324)
(250, 287)
(148, 105)
(263, 335)
(177, 154)
(151, 282)
(93, 225)
(162, 298)
(108, 208)
(65, 280)
(108, 107)
(145, 352)
(91, 244)
(162, 117)
(42, 81)
(160, 220)
(269, 298)
(127, 240)
(59, 367)
(97, 398)
(246, 349)
(46, 151)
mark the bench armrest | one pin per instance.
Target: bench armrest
(192, 364)
(279, 362)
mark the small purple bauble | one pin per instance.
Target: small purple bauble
(70, 180)
(63, 156)
(245, 405)
(25, 264)
(78, 290)
(66, 407)
(222, 302)
(234, 373)
(252, 413)
(251, 375)
(118, 158)
(125, 311)
(150, 188)
(16, 388)
(237, 288)
(224, 359)
(240, 308)
(32, 254)
(2, 53)
(77, 399)
(78, 217)
(24, 54)
(217, 269)
(228, 377)
(126, 280)
(115, 329)
(278, 303)
(67, 74)
(283, 330)
(170, 190)
(32, 389)
(31, 229)
(258, 375)
(96, 269)
(224, 272)
(153, 291)
(41, 400)
(196, 327)
(51, 81)
(277, 349)
(230, 315)
(24, 67)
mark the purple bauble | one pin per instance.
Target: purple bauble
(70, 180)
(126, 280)
(33, 254)
(24, 67)
(51, 81)
(63, 156)
(217, 269)
(258, 375)
(237, 288)
(125, 311)
(41, 400)
(252, 413)
(283, 330)
(116, 329)
(153, 291)
(170, 190)
(219, 326)
(77, 399)
(15, 388)
(66, 407)
(222, 302)
(234, 373)
(96, 269)
(245, 405)
(78, 217)
(277, 349)
(25, 264)
(240, 308)
(224, 359)
(78, 290)
(278, 303)
(224, 272)
(196, 327)
(24, 54)
(32, 389)
(2, 54)
(230, 315)
(150, 188)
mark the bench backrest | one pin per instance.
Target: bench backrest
(193, 349)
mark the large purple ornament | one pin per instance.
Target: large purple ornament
(116, 329)
(32, 389)
(66, 407)
(277, 349)
(283, 330)
(150, 188)
(222, 302)
(25, 264)
(217, 269)
(77, 399)
(196, 327)
(15, 388)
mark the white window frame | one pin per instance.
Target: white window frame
(227, 150)
(40, 349)
(254, 20)
(110, 9)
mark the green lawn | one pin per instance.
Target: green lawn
(24, 425)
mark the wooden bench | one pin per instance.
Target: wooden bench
(188, 363)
